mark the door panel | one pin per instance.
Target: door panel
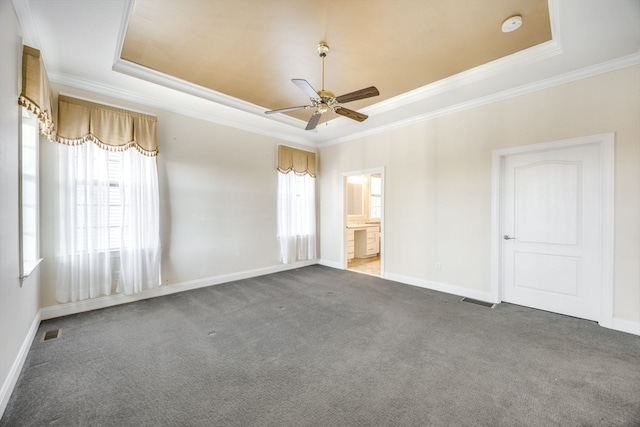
(549, 273)
(551, 213)
(547, 202)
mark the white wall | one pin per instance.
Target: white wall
(438, 181)
(217, 199)
(18, 305)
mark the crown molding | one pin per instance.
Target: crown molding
(152, 76)
(253, 124)
(29, 30)
(587, 72)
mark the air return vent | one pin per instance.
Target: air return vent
(475, 301)
(51, 335)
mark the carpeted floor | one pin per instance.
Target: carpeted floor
(324, 347)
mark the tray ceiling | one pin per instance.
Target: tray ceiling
(250, 50)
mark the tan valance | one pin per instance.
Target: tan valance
(298, 161)
(111, 128)
(36, 92)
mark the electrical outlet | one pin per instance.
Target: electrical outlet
(438, 266)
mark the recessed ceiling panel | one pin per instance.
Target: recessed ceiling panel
(251, 49)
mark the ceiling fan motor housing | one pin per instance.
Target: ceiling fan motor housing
(322, 49)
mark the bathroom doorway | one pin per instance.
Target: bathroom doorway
(363, 240)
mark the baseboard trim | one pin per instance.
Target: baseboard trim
(60, 310)
(18, 363)
(627, 326)
(442, 287)
(331, 264)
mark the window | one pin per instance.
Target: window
(109, 222)
(115, 199)
(296, 217)
(375, 200)
(296, 231)
(29, 216)
(100, 187)
(108, 201)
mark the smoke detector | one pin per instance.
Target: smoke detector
(512, 24)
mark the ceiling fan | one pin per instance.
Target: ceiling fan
(324, 100)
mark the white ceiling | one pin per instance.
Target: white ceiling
(81, 40)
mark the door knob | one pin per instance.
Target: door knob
(506, 237)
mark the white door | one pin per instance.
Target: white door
(552, 230)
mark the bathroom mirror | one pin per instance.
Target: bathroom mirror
(355, 199)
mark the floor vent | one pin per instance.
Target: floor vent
(475, 301)
(51, 335)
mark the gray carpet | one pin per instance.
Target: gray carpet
(323, 347)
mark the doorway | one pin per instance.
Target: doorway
(553, 227)
(363, 240)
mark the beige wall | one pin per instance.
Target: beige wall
(438, 181)
(18, 304)
(217, 198)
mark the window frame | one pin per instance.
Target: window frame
(376, 196)
(28, 234)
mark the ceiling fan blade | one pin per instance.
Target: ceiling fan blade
(354, 115)
(284, 110)
(306, 88)
(359, 94)
(313, 121)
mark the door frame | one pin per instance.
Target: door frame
(343, 241)
(606, 143)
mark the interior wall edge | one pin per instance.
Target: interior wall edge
(60, 310)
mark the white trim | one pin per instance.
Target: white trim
(332, 264)
(30, 35)
(343, 243)
(584, 73)
(499, 66)
(627, 326)
(606, 143)
(18, 363)
(248, 123)
(112, 300)
(607, 163)
(441, 287)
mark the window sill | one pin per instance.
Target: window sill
(28, 267)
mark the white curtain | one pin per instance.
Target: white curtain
(296, 217)
(84, 263)
(140, 239)
(91, 256)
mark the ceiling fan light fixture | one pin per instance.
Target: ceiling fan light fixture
(323, 108)
(512, 24)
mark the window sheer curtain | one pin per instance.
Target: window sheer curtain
(296, 230)
(140, 240)
(84, 260)
(90, 136)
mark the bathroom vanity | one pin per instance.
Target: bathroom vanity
(363, 240)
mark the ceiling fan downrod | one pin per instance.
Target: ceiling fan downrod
(323, 50)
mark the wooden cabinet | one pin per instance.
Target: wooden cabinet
(350, 244)
(367, 241)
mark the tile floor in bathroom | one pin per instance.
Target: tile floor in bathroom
(365, 265)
